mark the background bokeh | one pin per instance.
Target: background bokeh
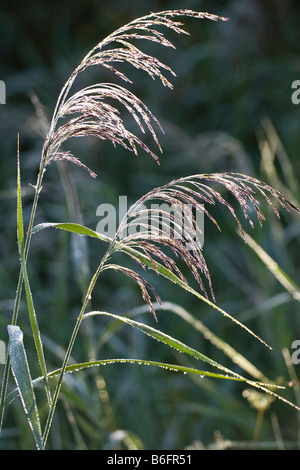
(232, 95)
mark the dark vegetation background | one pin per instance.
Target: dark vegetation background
(232, 78)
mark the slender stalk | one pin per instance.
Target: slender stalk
(71, 343)
(38, 188)
(30, 305)
(258, 424)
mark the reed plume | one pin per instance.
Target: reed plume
(93, 116)
(88, 113)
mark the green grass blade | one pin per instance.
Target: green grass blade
(169, 341)
(30, 305)
(183, 348)
(171, 367)
(21, 373)
(274, 268)
(163, 365)
(274, 148)
(175, 279)
(236, 357)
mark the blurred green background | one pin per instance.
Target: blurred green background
(230, 104)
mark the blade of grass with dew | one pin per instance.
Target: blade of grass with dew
(175, 279)
(21, 373)
(157, 267)
(30, 305)
(177, 345)
(73, 228)
(172, 367)
(274, 268)
(183, 348)
(169, 341)
(227, 349)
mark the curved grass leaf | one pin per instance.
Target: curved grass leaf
(171, 342)
(274, 268)
(30, 305)
(73, 228)
(176, 280)
(21, 373)
(171, 367)
(183, 348)
(236, 357)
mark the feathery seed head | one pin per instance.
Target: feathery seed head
(93, 116)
